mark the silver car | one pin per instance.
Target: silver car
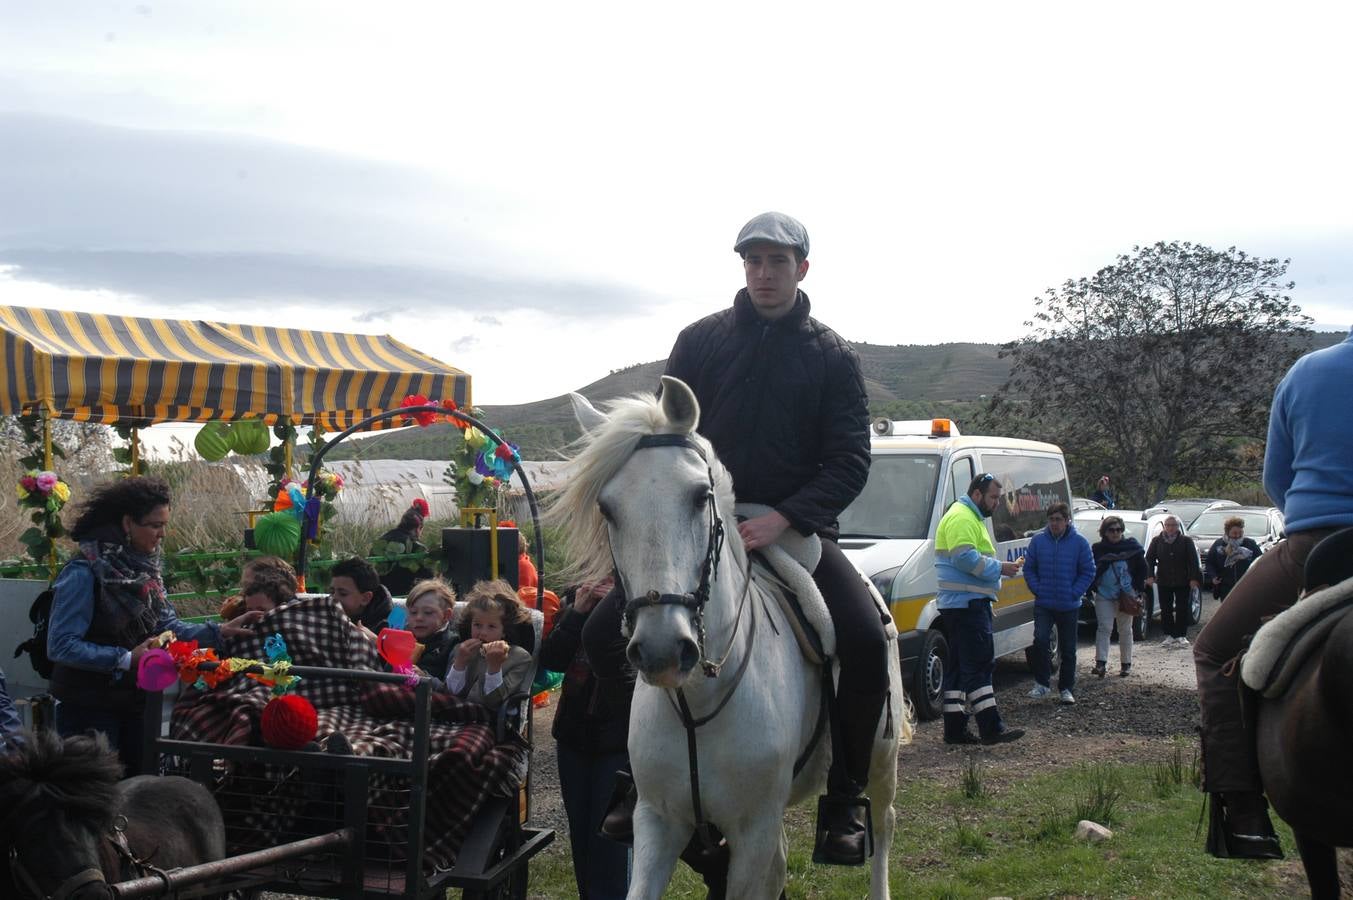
(1188, 508)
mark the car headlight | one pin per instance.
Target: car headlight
(883, 581)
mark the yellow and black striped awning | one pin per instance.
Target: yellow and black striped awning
(131, 370)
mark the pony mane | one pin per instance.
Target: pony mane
(79, 775)
(603, 451)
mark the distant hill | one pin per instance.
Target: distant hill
(944, 377)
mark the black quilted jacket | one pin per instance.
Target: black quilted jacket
(783, 402)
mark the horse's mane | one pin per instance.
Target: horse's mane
(79, 775)
(601, 454)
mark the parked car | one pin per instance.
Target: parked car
(1188, 508)
(1144, 530)
(1263, 525)
(1080, 503)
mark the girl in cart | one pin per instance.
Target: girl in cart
(486, 668)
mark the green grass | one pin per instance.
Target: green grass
(1018, 842)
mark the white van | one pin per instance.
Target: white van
(919, 469)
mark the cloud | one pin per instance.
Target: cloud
(180, 218)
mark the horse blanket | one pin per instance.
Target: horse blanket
(271, 804)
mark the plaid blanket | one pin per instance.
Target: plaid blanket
(273, 804)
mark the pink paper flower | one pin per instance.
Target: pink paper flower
(46, 481)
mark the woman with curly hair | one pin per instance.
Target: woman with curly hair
(109, 608)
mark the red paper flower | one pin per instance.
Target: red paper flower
(503, 452)
(424, 419)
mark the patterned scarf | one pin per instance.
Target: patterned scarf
(1236, 552)
(128, 579)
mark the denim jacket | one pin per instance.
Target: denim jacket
(73, 613)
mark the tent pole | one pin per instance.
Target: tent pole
(136, 451)
(287, 446)
(47, 464)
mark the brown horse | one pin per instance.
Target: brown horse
(1304, 736)
(69, 827)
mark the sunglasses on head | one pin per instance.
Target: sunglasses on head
(983, 479)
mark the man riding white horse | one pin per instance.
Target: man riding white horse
(783, 402)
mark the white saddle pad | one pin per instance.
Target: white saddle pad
(1276, 653)
(794, 558)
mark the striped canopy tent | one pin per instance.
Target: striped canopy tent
(137, 371)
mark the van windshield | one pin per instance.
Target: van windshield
(897, 499)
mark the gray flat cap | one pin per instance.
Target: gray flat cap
(774, 228)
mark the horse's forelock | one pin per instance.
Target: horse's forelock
(602, 453)
(78, 775)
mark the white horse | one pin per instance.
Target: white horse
(655, 509)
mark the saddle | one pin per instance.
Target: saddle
(790, 563)
(1285, 642)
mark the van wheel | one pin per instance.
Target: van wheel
(926, 685)
(1054, 658)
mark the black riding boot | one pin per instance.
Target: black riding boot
(1239, 827)
(845, 835)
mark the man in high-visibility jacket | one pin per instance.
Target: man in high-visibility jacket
(969, 578)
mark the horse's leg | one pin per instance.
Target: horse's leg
(882, 790)
(1322, 866)
(657, 844)
(756, 869)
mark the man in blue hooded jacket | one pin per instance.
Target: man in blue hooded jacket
(1058, 567)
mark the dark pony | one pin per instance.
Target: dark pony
(1303, 736)
(69, 827)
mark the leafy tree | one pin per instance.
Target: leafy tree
(1158, 368)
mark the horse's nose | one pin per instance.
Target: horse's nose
(646, 658)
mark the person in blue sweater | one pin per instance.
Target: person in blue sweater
(1058, 567)
(1308, 476)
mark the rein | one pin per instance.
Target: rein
(695, 602)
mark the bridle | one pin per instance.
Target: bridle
(117, 839)
(695, 602)
(709, 568)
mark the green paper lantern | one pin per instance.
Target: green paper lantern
(249, 437)
(278, 534)
(212, 442)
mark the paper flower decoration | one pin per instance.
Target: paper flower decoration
(424, 419)
(156, 670)
(289, 722)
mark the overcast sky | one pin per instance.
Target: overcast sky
(541, 193)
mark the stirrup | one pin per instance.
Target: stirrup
(840, 807)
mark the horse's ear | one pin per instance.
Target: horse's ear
(588, 416)
(679, 405)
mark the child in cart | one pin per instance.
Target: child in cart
(429, 609)
(486, 668)
(266, 582)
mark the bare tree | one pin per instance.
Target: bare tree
(1158, 368)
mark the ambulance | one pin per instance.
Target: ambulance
(919, 469)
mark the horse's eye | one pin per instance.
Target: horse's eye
(701, 500)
